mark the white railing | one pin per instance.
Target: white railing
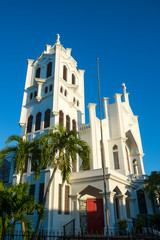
(84, 127)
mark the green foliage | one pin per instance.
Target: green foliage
(155, 219)
(122, 224)
(140, 223)
(152, 185)
(15, 203)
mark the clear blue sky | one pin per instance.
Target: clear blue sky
(124, 34)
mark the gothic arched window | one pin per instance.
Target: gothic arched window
(31, 96)
(74, 124)
(47, 118)
(50, 88)
(29, 124)
(135, 166)
(61, 89)
(65, 93)
(77, 103)
(35, 94)
(65, 73)
(61, 118)
(49, 69)
(116, 157)
(38, 72)
(46, 89)
(141, 202)
(38, 121)
(68, 123)
(73, 79)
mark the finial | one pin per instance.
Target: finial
(124, 88)
(58, 37)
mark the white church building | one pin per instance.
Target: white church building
(53, 94)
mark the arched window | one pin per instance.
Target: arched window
(74, 100)
(61, 89)
(61, 118)
(77, 103)
(74, 124)
(141, 202)
(65, 73)
(65, 93)
(29, 124)
(47, 118)
(38, 121)
(68, 123)
(73, 79)
(31, 96)
(38, 72)
(51, 88)
(46, 89)
(127, 160)
(49, 69)
(35, 94)
(135, 166)
(116, 157)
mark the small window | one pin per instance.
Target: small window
(51, 88)
(116, 157)
(46, 89)
(49, 69)
(38, 72)
(31, 96)
(77, 103)
(135, 166)
(68, 123)
(29, 124)
(65, 93)
(73, 79)
(41, 193)
(61, 118)
(38, 121)
(65, 73)
(35, 94)
(61, 89)
(47, 118)
(74, 100)
(74, 124)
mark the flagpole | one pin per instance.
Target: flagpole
(102, 150)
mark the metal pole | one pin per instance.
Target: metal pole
(102, 150)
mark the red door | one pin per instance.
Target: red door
(95, 215)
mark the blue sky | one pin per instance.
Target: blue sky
(124, 34)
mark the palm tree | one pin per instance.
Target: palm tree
(15, 203)
(59, 148)
(21, 153)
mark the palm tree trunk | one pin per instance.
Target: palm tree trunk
(43, 203)
(22, 223)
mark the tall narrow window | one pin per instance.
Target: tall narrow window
(116, 157)
(74, 100)
(46, 89)
(141, 202)
(25, 166)
(35, 94)
(73, 79)
(38, 72)
(29, 124)
(32, 190)
(38, 121)
(127, 160)
(61, 89)
(31, 96)
(41, 193)
(77, 103)
(47, 118)
(74, 124)
(49, 69)
(135, 166)
(68, 123)
(65, 93)
(50, 88)
(61, 118)
(66, 208)
(60, 199)
(65, 73)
